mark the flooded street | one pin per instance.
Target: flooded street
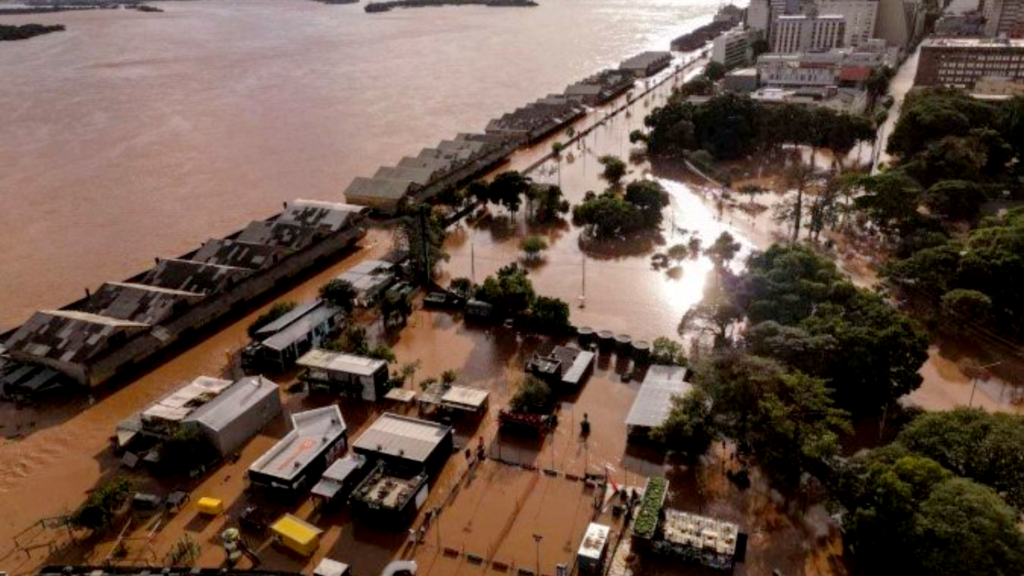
(133, 135)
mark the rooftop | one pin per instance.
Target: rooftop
(239, 254)
(278, 233)
(644, 59)
(139, 302)
(654, 400)
(594, 541)
(700, 532)
(333, 479)
(383, 490)
(979, 43)
(296, 529)
(341, 362)
(465, 396)
(232, 402)
(383, 188)
(186, 400)
(419, 175)
(69, 336)
(314, 430)
(401, 436)
(296, 324)
(192, 276)
(318, 214)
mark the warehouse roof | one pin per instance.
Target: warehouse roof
(340, 362)
(239, 254)
(377, 188)
(318, 214)
(654, 400)
(408, 438)
(140, 302)
(67, 335)
(193, 276)
(236, 400)
(314, 431)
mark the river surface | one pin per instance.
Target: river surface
(133, 135)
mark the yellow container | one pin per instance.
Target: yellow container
(211, 506)
(300, 536)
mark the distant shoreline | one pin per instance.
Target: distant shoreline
(26, 31)
(388, 5)
(76, 6)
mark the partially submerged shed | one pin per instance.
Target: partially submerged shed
(653, 402)
(406, 443)
(348, 374)
(237, 414)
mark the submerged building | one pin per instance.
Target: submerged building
(277, 346)
(653, 402)
(123, 324)
(299, 459)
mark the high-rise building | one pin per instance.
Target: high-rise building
(807, 33)
(860, 18)
(899, 21)
(1004, 17)
(961, 62)
(759, 16)
(731, 48)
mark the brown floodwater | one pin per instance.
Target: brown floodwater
(133, 135)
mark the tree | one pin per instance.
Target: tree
(509, 291)
(186, 450)
(974, 444)
(890, 201)
(787, 418)
(382, 352)
(479, 190)
(955, 199)
(508, 189)
(607, 216)
(99, 509)
(422, 235)
(689, 427)
(667, 351)
(550, 316)
(556, 151)
(678, 252)
(395, 310)
(967, 529)
(962, 305)
(752, 190)
(448, 377)
(532, 396)
(614, 169)
(532, 246)
(340, 294)
(723, 250)
(877, 83)
(276, 311)
(715, 71)
(462, 287)
(649, 197)
(547, 202)
(715, 314)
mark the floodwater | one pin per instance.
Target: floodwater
(133, 135)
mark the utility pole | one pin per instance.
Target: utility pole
(974, 381)
(472, 262)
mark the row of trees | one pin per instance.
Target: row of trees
(954, 154)
(732, 126)
(545, 202)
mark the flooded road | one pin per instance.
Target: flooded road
(133, 135)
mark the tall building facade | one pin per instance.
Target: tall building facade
(1004, 17)
(759, 16)
(860, 18)
(731, 48)
(807, 33)
(962, 62)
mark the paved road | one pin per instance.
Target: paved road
(898, 88)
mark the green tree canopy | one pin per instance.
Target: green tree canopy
(649, 197)
(614, 169)
(509, 291)
(339, 293)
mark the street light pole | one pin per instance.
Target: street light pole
(536, 539)
(974, 381)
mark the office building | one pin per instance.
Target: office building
(962, 62)
(859, 15)
(732, 48)
(1004, 17)
(807, 33)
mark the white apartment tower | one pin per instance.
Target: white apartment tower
(807, 33)
(759, 16)
(860, 18)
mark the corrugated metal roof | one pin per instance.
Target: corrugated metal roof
(654, 400)
(293, 327)
(238, 399)
(408, 438)
(340, 362)
(594, 541)
(466, 396)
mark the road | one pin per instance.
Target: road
(898, 89)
